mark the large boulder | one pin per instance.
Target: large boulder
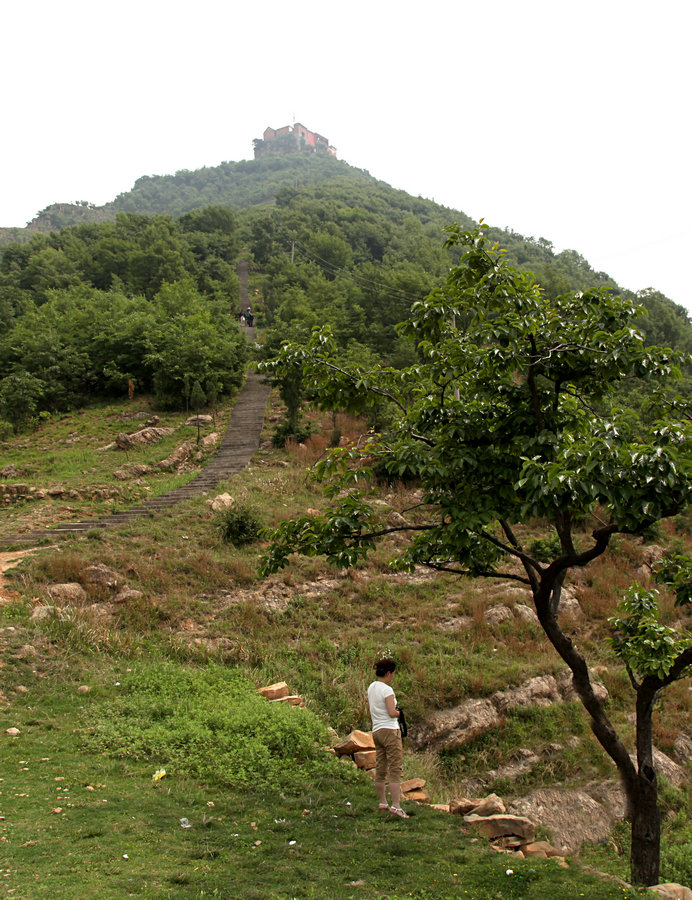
(449, 728)
(199, 421)
(503, 826)
(68, 593)
(683, 747)
(275, 691)
(571, 817)
(221, 502)
(355, 742)
(496, 615)
(491, 805)
(180, 455)
(453, 727)
(672, 891)
(102, 576)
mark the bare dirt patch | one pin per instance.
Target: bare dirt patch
(9, 561)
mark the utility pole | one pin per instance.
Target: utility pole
(293, 249)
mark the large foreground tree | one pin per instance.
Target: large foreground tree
(511, 416)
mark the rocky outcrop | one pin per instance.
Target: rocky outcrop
(20, 492)
(147, 435)
(180, 455)
(570, 817)
(456, 726)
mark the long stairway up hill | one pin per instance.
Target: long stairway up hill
(239, 443)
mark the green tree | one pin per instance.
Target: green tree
(509, 416)
(19, 397)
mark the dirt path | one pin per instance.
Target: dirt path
(9, 561)
(239, 443)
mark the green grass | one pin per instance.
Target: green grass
(203, 603)
(67, 451)
(82, 822)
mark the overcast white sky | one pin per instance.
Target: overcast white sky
(563, 120)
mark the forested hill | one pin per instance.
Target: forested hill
(233, 184)
(97, 298)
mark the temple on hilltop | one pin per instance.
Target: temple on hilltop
(292, 139)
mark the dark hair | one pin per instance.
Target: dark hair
(382, 666)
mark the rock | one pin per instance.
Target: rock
(525, 614)
(454, 727)
(57, 491)
(571, 817)
(491, 805)
(135, 470)
(539, 691)
(209, 440)
(669, 769)
(672, 891)
(98, 612)
(67, 593)
(498, 614)
(421, 796)
(540, 848)
(652, 554)
(102, 576)
(611, 796)
(13, 732)
(312, 512)
(365, 759)
(83, 689)
(683, 748)
(177, 457)
(569, 605)
(274, 691)
(124, 441)
(565, 686)
(199, 420)
(127, 595)
(509, 842)
(292, 700)
(41, 613)
(412, 784)
(396, 520)
(354, 743)
(502, 825)
(221, 502)
(462, 807)
(149, 435)
(455, 623)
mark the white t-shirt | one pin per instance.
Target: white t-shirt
(377, 692)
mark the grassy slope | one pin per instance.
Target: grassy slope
(201, 601)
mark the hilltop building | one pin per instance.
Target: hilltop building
(292, 139)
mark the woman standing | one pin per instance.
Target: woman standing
(386, 736)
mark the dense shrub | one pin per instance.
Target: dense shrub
(238, 525)
(210, 723)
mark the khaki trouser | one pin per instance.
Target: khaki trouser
(389, 757)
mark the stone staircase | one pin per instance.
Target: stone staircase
(239, 443)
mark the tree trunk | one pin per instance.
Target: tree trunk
(646, 833)
(646, 816)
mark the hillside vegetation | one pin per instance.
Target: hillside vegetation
(131, 311)
(86, 310)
